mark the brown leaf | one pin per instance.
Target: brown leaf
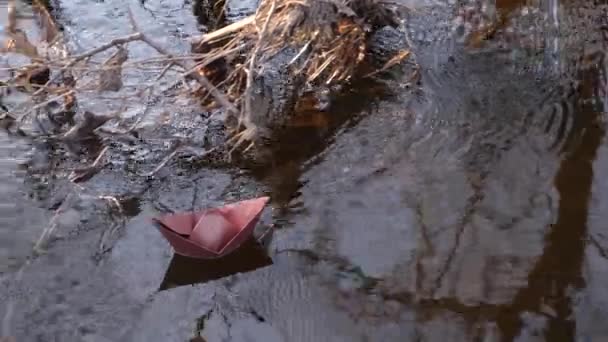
(110, 78)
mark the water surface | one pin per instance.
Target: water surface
(467, 206)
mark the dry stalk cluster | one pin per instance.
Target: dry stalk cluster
(330, 36)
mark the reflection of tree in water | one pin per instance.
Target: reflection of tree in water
(557, 272)
(559, 268)
(461, 267)
(505, 288)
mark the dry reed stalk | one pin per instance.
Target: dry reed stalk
(329, 35)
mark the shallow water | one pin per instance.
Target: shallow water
(467, 207)
(20, 219)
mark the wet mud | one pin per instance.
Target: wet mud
(467, 204)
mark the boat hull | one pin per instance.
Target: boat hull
(244, 216)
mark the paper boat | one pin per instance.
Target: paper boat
(214, 232)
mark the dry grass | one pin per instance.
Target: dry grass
(330, 36)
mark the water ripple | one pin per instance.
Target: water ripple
(20, 221)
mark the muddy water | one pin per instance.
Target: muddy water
(469, 206)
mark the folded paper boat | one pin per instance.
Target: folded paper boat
(214, 232)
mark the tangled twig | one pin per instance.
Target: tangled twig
(114, 42)
(221, 98)
(330, 40)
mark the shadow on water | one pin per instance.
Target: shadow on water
(187, 271)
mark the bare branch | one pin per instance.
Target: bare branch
(220, 98)
(114, 42)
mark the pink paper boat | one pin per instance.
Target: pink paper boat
(214, 232)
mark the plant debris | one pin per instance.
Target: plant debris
(330, 37)
(319, 44)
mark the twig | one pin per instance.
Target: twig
(40, 105)
(306, 46)
(162, 164)
(224, 31)
(49, 29)
(266, 233)
(208, 61)
(98, 159)
(594, 241)
(221, 98)
(114, 42)
(137, 36)
(218, 56)
(150, 60)
(164, 71)
(250, 130)
(46, 233)
(140, 118)
(171, 155)
(228, 79)
(398, 58)
(113, 200)
(88, 171)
